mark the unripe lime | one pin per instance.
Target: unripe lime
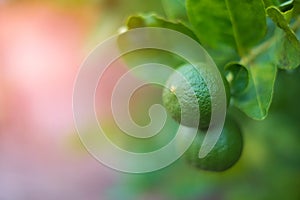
(224, 154)
(186, 95)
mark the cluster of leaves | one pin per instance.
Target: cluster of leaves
(249, 41)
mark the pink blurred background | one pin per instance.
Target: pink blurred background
(42, 45)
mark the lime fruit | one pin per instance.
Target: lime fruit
(224, 154)
(186, 95)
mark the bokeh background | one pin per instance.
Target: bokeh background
(42, 44)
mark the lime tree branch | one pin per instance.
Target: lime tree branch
(255, 52)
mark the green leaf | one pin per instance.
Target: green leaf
(239, 24)
(211, 22)
(143, 56)
(287, 47)
(155, 21)
(288, 14)
(237, 76)
(248, 21)
(256, 99)
(287, 52)
(271, 3)
(222, 55)
(175, 10)
(278, 18)
(296, 4)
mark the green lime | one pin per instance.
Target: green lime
(224, 154)
(186, 95)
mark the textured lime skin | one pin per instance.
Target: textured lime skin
(196, 85)
(224, 154)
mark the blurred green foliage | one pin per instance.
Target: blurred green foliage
(270, 164)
